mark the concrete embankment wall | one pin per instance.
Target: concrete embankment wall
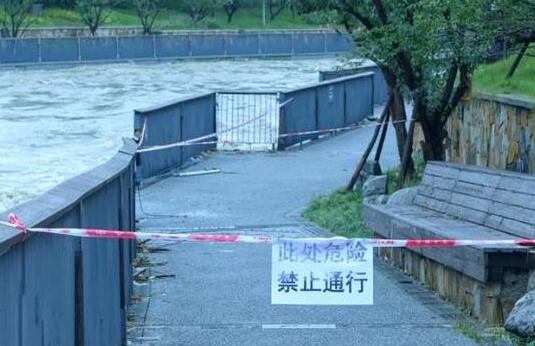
(60, 290)
(493, 131)
(189, 45)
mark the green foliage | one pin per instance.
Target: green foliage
(15, 16)
(469, 331)
(516, 18)
(501, 336)
(231, 7)
(492, 77)
(422, 46)
(392, 174)
(147, 11)
(340, 213)
(94, 12)
(200, 9)
(169, 19)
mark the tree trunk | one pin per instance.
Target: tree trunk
(399, 117)
(362, 161)
(518, 58)
(404, 170)
(434, 135)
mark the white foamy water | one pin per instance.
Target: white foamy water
(58, 122)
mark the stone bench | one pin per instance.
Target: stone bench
(465, 202)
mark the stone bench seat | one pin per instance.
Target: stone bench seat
(465, 202)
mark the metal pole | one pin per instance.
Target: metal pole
(264, 12)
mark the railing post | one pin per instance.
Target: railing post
(39, 49)
(259, 43)
(292, 38)
(79, 48)
(345, 102)
(117, 55)
(154, 55)
(189, 44)
(225, 39)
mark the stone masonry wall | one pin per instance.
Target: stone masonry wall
(493, 131)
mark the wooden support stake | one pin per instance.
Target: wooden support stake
(360, 165)
(379, 149)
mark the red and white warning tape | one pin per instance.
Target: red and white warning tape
(15, 222)
(196, 141)
(337, 129)
(200, 140)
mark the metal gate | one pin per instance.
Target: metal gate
(247, 121)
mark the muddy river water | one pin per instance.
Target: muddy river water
(58, 122)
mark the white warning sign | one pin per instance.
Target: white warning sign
(322, 272)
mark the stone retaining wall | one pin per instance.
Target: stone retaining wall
(493, 131)
(489, 302)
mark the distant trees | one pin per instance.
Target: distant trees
(275, 7)
(231, 7)
(94, 12)
(199, 9)
(147, 11)
(518, 24)
(15, 16)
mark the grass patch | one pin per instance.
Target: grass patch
(469, 331)
(340, 213)
(492, 77)
(174, 19)
(392, 174)
(499, 335)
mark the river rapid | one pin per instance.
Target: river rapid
(58, 122)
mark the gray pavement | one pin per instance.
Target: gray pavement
(221, 293)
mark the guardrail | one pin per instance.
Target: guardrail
(380, 88)
(327, 105)
(26, 51)
(247, 121)
(171, 123)
(59, 290)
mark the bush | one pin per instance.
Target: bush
(199, 9)
(15, 16)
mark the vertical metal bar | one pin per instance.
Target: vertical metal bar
(79, 285)
(79, 332)
(345, 85)
(252, 112)
(117, 55)
(243, 116)
(232, 132)
(79, 49)
(154, 55)
(265, 117)
(40, 50)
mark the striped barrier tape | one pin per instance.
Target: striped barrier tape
(350, 127)
(14, 222)
(195, 141)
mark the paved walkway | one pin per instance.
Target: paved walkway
(221, 293)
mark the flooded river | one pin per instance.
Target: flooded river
(58, 122)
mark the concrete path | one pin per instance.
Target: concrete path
(221, 293)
